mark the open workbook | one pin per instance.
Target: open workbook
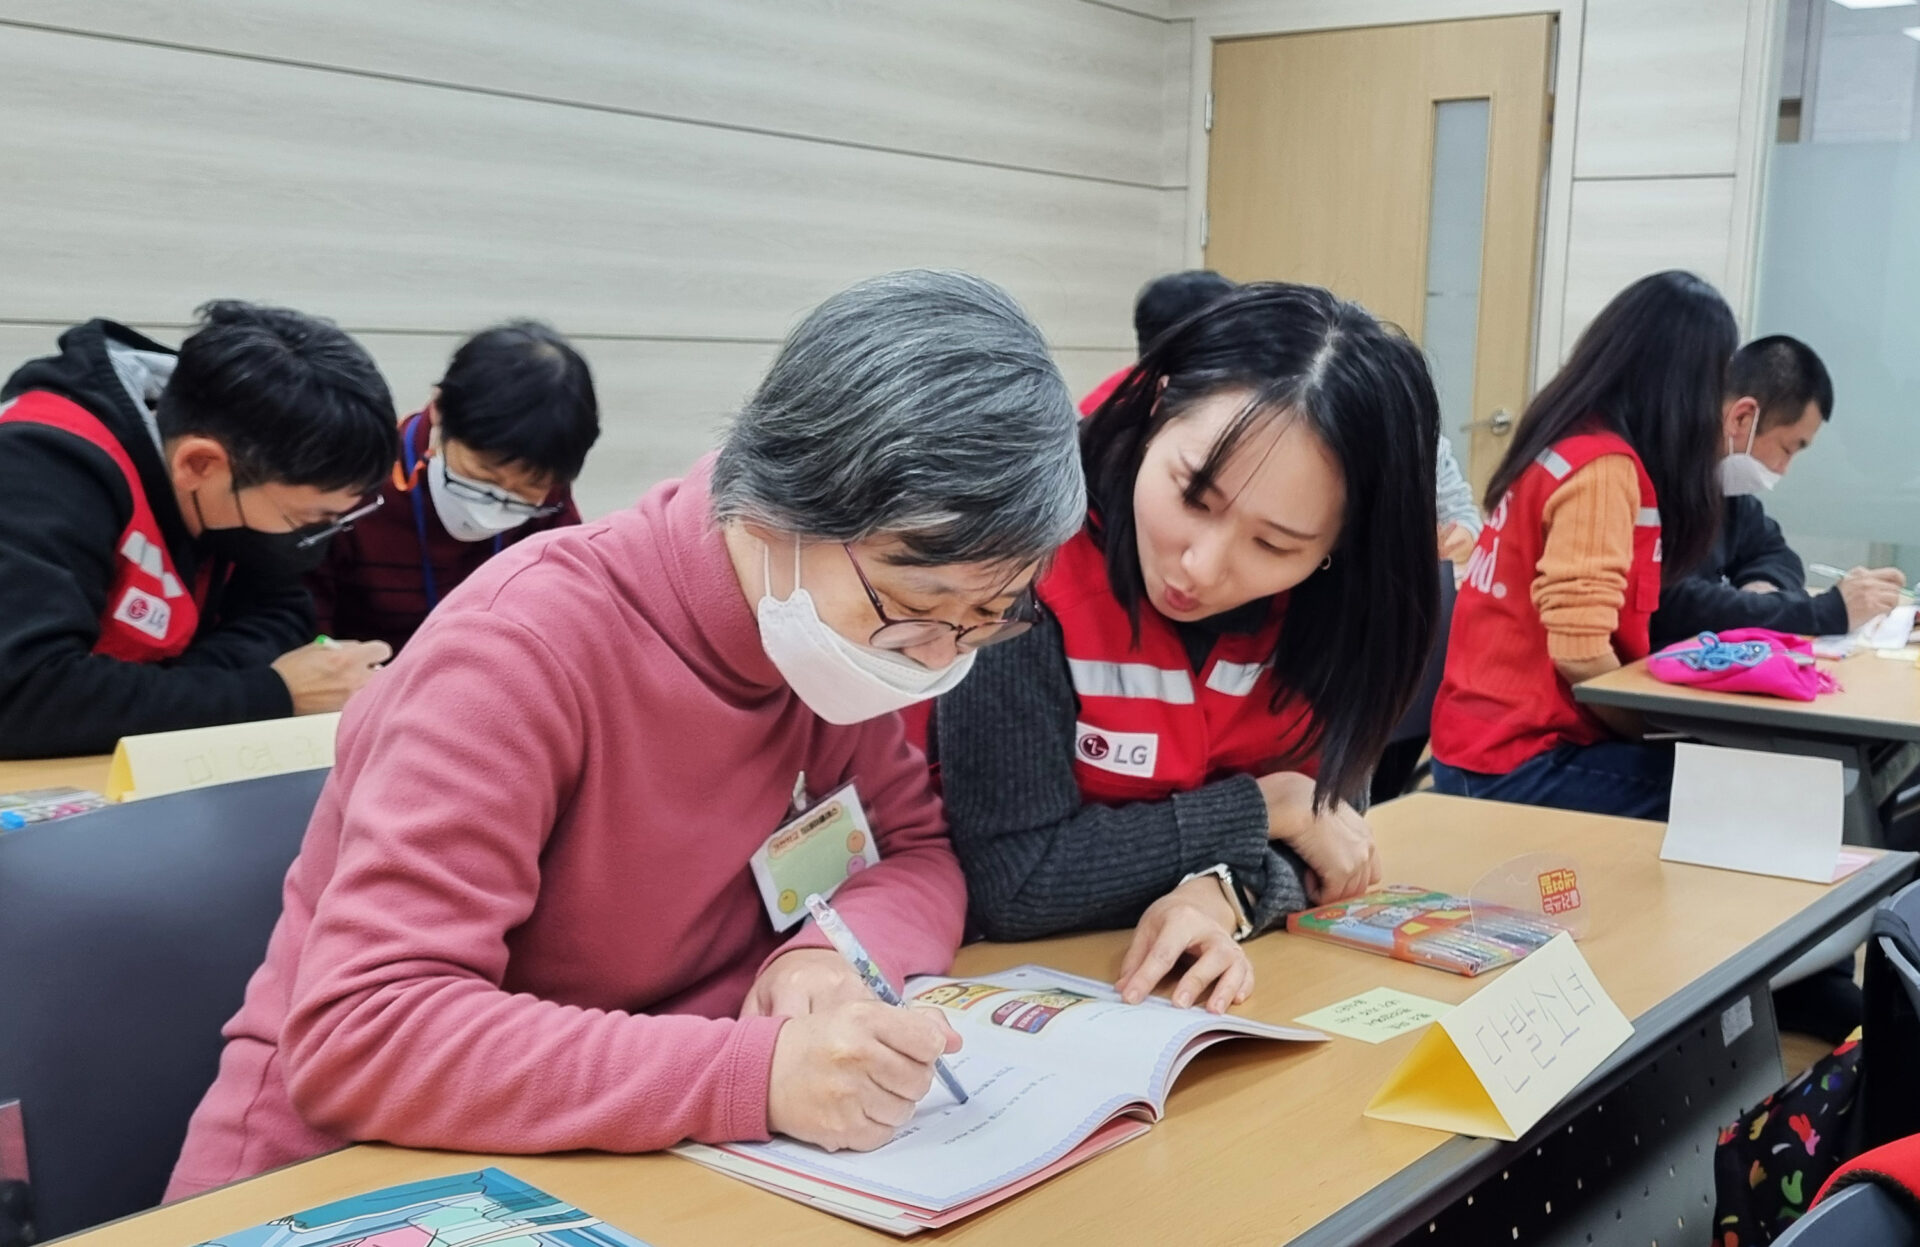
(1056, 1068)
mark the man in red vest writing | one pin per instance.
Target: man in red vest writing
(161, 507)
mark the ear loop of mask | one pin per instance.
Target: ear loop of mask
(766, 570)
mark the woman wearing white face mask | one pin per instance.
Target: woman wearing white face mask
(487, 463)
(531, 912)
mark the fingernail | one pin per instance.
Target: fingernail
(1182, 999)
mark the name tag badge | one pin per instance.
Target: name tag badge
(1123, 753)
(816, 852)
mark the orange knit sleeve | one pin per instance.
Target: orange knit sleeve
(1585, 558)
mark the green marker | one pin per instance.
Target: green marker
(323, 639)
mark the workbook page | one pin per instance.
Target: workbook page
(1083, 1024)
(1048, 1058)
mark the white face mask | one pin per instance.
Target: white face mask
(841, 682)
(464, 518)
(1741, 473)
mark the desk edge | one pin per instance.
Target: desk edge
(1759, 711)
(1430, 1184)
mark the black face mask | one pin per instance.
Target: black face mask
(272, 554)
(267, 554)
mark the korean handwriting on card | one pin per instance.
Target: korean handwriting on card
(1527, 1033)
(1504, 1057)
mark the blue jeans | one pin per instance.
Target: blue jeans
(1613, 777)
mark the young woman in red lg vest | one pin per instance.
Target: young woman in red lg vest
(1225, 649)
(1609, 486)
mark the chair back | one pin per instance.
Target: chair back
(127, 937)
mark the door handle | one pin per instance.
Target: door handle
(1500, 423)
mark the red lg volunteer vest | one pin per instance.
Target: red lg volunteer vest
(150, 616)
(1501, 701)
(1148, 726)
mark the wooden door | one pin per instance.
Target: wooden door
(1321, 168)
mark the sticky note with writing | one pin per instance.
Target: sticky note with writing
(1501, 1059)
(1375, 1016)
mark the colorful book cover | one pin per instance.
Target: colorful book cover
(1428, 928)
(486, 1208)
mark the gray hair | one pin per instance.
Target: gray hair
(920, 405)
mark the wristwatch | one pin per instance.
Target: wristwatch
(1243, 925)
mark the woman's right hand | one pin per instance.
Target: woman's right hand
(849, 1077)
(1336, 843)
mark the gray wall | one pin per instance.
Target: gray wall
(671, 182)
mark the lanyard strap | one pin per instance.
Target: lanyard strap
(413, 462)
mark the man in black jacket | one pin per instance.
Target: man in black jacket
(1778, 395)
(160, 509)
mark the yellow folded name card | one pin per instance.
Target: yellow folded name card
(1501, 1059)
(163, 762)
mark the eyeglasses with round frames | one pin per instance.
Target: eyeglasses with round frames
(900, 634)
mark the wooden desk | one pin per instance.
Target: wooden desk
(87, 773)
(1262, 1143)
(1879, 702)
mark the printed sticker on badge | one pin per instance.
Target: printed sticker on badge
(144, 611)
(1123, 753)
(815, 852)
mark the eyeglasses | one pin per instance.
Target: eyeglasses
(341, 525)
(472, 492)
(899, 634)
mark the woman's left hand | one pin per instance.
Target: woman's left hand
(1192, 920)
(806, 980)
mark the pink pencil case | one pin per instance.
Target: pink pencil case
(1744, 660)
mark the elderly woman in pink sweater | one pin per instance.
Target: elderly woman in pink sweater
(523, 918)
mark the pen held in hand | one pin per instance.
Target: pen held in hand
(848, 945)
(1837, 574)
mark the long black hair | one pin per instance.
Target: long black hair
(1650, 367)
(1356, 635)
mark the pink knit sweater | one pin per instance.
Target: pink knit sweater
(522, 919)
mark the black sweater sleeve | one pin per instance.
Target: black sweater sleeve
(1755, 551)
(1759, 552)
(257, 619)
(66, 505)
(1038, 860)
(1697, 605)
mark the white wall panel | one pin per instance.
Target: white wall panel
(173, 175)
(1660, 87)
(1622, 231)
(1050, 84)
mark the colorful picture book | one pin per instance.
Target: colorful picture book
(1428, 928)
(465, 1210)
(1057, 1069)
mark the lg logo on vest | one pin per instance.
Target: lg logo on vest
(144, 611)
(1123, 753)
